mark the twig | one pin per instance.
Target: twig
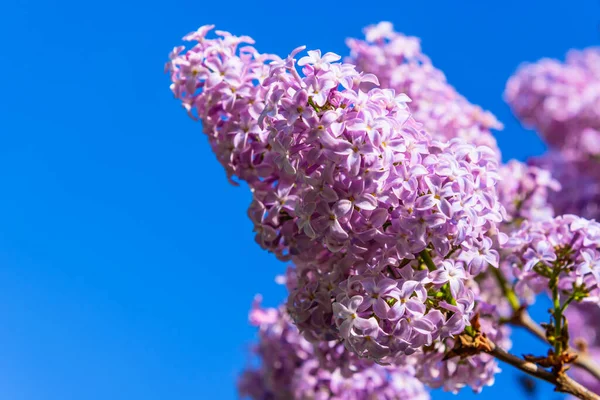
(523, 319)
(562, 382)
(585, 362)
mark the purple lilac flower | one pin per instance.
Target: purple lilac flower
(452, 375)
(385, 316)
(216, 81)
(567, 245)
(475, 371)
(386, 224)
(365, 177)
(332, 165)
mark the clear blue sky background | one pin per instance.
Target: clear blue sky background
(127, 263)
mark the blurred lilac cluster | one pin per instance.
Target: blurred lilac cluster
(565, 248)
(346, 183)
(585, 337)
(561, 101)
(525, 191)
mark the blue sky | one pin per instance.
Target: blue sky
(127, 263)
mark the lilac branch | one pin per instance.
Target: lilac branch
(521, 318)
(560, 380)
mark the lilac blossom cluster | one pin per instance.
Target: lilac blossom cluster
(580, 192)
(386, 225)
(384, 319)
(381, 184)
(397, 60)
(219, 82)
(349, 178)
(476, 371)
(330, 163)
(585, 338)
(525, 191)
(361, 175)
(432, 369)
(565, 248)
(403, 311)
(376, 209)
(293, 368)
(561, 101)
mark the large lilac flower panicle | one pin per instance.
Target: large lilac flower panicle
(387, 225)
(364, 191)
(524, 191)
(293, 368)
(585, 337)
(397, 60)
(566, 247)
(218, 82)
